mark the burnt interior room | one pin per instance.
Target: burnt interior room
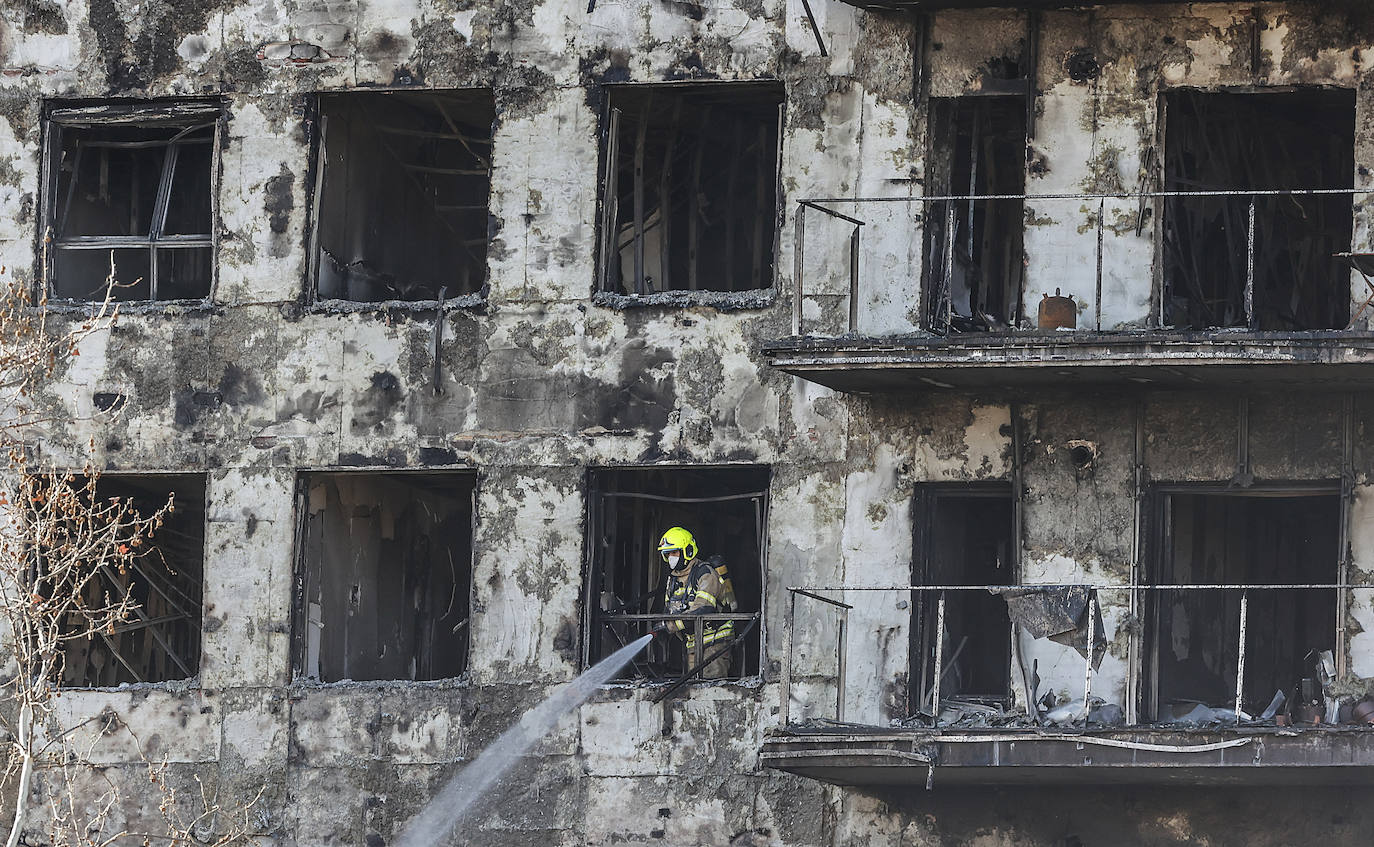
(691, 188)
(1227, 539)
(977, 265)
(401, 205)
(963, 537)
(161, 639)
(1297, 140)
(385, 575)
(140, 191)
(629, 510)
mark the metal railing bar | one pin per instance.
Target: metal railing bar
(809, 593)
(1251, 319)
(634, 495)
(841, 674)
(785, 687)
(854, 279)
(1243, 586)
(939, 659)
(1088, 669)
(834, 214)
(1240, 654)
(718, 616)
(814, 202)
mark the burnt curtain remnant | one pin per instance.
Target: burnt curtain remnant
(401, 203)
(629, 509)
(161, 639)
(384, 575)
(133, 184)
(973, 249)
(1227, 539)
(963, 537)
(690, 199)
(1226, 142)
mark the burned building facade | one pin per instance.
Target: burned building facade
(434, 314)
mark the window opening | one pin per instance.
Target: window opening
(690, 198)
(402, 198)
(161, 639)
(973, 249)
(964, 536)
(1210, 538)
(1287, 141)
(725, 509)
(385, 575)
(135, 184)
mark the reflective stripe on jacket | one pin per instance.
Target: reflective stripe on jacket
(701, 593)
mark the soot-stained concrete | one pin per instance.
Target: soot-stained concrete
(539, 378)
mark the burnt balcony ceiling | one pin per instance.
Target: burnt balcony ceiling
(935, 5)
(1315, 756)
(1334, 359)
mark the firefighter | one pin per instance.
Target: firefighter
(697, 586)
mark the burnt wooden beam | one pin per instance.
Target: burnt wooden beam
(641, 137)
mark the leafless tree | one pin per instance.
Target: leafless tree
(62, 545)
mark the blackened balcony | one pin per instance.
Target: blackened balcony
(1236, 726)
(1163, 289)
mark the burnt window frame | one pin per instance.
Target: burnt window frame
(1157, 167)
(128, 480)
(317, 121)
(937, 248)
(70, 115)
(606, 248)
(593, 616)
(925, 501)
(1157, 540)
(300, 618)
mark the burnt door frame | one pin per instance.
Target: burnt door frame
(1158, 565)
(924, 500)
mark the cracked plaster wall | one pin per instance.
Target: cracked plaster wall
(540, 383)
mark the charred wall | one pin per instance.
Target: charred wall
(534, 382)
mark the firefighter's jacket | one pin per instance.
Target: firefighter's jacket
(703, 589)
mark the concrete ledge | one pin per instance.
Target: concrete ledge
(933, 5)
(1332, 360)
(1315, 756)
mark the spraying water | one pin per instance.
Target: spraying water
(450, 805)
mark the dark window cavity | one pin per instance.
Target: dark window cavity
(161, 639)
(629, 509)
(690, 200)
(385, 570)
(1233, 142)
(403, 180)
(973, 251)
(963, 537)
(133, 186)
(1193, 636)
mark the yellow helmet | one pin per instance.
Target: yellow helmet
(677, 538)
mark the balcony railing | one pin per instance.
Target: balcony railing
(1090, 651)
(857, 213)
(627, 627)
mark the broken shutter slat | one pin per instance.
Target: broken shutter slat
(610, 205)
(146, 114)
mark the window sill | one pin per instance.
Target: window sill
(84, 308)
(302, 687)
(170, 686)
(723, 301)
(465, 303)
